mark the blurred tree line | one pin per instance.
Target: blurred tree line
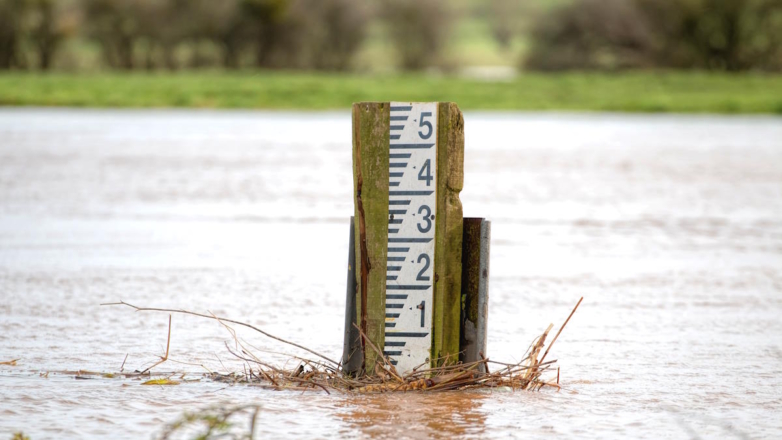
(327, 34)
(153, 34)
(732, 35)
(320, 34)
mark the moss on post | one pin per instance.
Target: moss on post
(448, 235)
(370, 191)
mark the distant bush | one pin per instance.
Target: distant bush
(49, 23)
(591, 34)
(312, 34)
(616, 34)
(116, 25)
(336, 29)
(10, 32)
(31, 31)
(508, 19)
(419, 30)
(717, 34)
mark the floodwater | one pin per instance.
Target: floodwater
(669, 226)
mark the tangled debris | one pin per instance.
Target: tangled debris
(326, 375)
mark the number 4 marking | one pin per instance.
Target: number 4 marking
(426, 172)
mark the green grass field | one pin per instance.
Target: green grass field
(625, 92)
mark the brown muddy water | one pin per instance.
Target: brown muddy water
(669, 226)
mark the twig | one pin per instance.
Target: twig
(560, 329)
(252, 422)
(168, 345)
(391, 370)
(485, 362)
(310, 382)
(271, 367)
(186, 312)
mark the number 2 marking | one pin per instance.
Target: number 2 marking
(421, 276)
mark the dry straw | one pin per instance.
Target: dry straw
(325, 374)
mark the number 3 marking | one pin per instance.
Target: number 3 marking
(426, 218)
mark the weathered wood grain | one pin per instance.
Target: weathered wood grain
(448, 235)
(370, 190)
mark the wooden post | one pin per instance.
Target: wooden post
(370, 192)
(475, 289)
(352, 354)
(448, 251)
(416, 136)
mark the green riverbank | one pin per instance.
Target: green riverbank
(685, 92)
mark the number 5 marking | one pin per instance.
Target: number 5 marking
(422, 123)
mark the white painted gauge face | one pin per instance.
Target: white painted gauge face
(412, 205)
